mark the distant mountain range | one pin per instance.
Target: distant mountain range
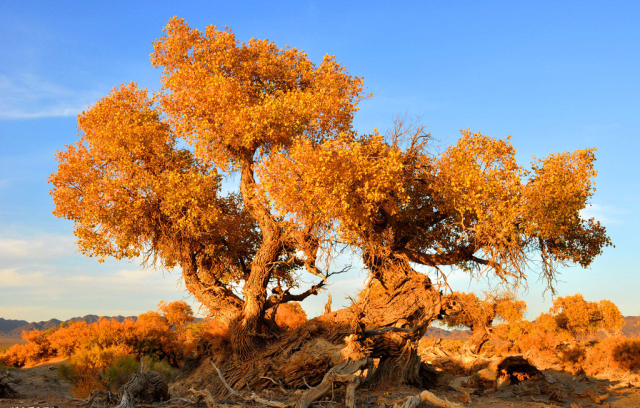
(16, 327)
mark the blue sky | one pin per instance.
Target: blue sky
(556, 75)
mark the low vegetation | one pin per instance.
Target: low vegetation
(584, 336)
(103, 354)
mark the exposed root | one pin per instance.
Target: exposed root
(253, 397)
(149, 386)
(284, 392)
(342, 373)
(426, 396)
(100, 395)
(171, 403)
(6, 392)
(350, 397)
(205, 395)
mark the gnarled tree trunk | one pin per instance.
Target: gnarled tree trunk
(384, 323)
(220, 300)
(246, 329)
(479, 336)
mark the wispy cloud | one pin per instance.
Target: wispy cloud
(12, 278)
(606, 214)
(28, 96)
(40, 248)
(43, 292)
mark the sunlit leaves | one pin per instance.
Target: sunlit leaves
(232, 100)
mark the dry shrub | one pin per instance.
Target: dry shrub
(450, 346)
(87, 367)
(626, 354)
(117, 374)
(213, 341)
(539, 341)
(166, 336)
(290, 315)
(15, 356)
(503, 348)
(614, 353)
(573, 356)
(599, 356)
(104, 353)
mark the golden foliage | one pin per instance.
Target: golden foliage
(231, 100)
(577, 317)
(307, 180)
(476, 313)
(151, 334)
(472, 206)
(177, 313)
(290, 315)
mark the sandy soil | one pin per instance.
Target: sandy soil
(40, 387)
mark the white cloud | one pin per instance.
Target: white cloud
(28, 96)
(40, 248)
(13, 278)
(606, 214)
(43, 292)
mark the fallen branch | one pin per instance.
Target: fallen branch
(426, 396)
(253, 397)
(203, 395)
(342, 373)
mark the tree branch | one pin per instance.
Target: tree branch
(449, 258)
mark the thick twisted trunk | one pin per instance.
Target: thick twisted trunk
(219, 299)
(403, 298)
(399, 296)
(246, 330)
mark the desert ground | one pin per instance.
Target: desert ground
(466, 380)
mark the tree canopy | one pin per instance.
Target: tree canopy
(307, 180)
(574, 316)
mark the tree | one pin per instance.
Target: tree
(479, 315)
(178, 313)
(576, 317)
(306, 182)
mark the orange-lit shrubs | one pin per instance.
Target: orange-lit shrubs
(479, 315)
(165, 336)
(576, 318)
(290, 315)
(87, 367)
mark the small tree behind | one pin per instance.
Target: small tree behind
(177, 313)
(575, 317)
(479, 315)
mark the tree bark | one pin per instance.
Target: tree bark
(479, 336)
(245, 330)
(220, 300)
